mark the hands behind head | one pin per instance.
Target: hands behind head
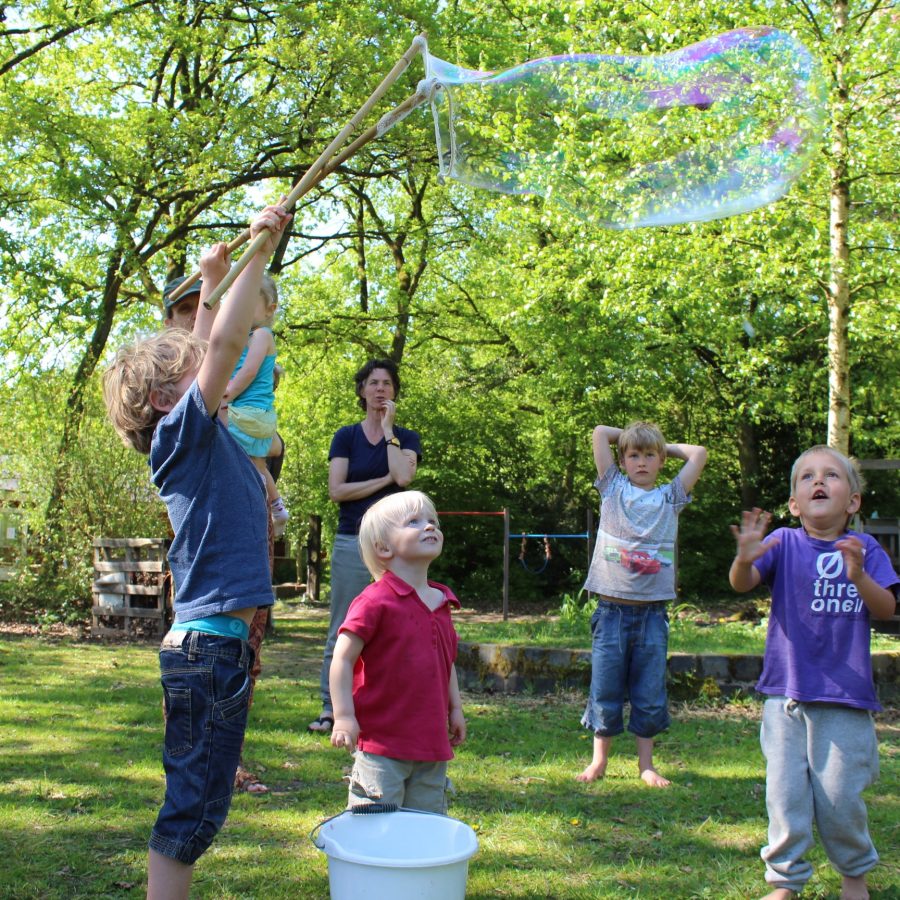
(750, 534)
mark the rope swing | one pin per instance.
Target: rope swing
(547, 555)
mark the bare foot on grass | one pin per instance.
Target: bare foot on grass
(854, 888)
(654, 779)
(780, 894)
(593, 772)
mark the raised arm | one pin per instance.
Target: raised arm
(345, 731)
(232, 323)
(744, 576)
(880, 601)
(603, 437)
(695, 459)
(260, 345)
(215, 263)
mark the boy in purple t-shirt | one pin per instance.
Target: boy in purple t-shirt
(818, 734)
(393, 680)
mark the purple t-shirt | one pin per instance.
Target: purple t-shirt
(366, 461)
(817, 648)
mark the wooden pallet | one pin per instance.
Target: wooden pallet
(131, 589)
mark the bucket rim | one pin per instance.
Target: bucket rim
(324, 842)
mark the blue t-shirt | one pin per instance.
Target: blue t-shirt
(217, 506)
(366, 461)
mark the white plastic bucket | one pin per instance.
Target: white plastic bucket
(400, 855)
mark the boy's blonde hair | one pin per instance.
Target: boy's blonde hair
(382, 518)
(151, 364)
(642, 436)
(850, 467)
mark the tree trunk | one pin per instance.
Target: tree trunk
(748, 460)
(838, 292)
(54, 520)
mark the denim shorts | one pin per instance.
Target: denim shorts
(628, 660)
(206, 688)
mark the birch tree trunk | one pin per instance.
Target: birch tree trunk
(838, 292)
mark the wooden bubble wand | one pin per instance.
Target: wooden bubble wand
(325, 164)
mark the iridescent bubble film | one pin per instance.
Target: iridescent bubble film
(712, 130)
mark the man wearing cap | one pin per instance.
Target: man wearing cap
(182, 312)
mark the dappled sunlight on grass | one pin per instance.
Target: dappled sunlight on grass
(83, 781)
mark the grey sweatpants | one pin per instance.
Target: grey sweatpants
(819, 760)
(349, 577)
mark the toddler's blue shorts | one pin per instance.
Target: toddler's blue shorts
(628, 661)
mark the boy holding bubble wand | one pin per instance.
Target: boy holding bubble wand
(162, 395)
(817, 734)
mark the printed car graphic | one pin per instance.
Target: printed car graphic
(634, 560)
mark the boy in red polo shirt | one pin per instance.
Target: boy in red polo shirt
(393, 680)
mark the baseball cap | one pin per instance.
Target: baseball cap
(168, 303)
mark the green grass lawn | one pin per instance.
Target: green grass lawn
(82, 781)
(690, 631)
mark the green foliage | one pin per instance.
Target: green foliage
(141, 133)
(108, 493)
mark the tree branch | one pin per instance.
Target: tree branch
(62, 33)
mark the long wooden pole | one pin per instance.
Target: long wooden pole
(317, 170)
(385, 123)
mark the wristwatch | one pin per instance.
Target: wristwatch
(392, 442)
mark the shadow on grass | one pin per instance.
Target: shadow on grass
(83, 781)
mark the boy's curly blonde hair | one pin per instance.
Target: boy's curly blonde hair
(642, 436)
(152, 364)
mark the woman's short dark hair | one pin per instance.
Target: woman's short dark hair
(362, 376)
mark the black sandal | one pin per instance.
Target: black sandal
(322, 725)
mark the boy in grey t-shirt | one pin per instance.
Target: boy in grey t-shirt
(633, 572)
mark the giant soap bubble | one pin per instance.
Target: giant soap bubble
(712, 130)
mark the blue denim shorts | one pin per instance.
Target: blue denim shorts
(206, 688)
(628, 660)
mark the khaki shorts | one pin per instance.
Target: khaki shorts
(407, 783)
